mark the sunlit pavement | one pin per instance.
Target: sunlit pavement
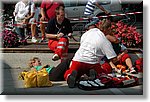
(14, 63)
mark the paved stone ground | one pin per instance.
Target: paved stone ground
(14, 63)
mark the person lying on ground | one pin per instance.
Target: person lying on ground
(55, 73)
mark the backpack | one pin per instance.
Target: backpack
(35, 78)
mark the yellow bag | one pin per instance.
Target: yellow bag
(36, 78)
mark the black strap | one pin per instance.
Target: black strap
(30, 7)
(49, 7)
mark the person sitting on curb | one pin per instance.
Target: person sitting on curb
(58, 30)
(93, 46)
(24, 13)
(55, 73)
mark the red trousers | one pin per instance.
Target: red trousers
(59, 47)
(123, 58)
(106, 66)
(82, 68)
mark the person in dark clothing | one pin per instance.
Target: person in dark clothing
(58, 30)
(55, 73)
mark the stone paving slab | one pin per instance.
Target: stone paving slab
(14, 63)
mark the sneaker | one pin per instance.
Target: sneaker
(93, 74)
(133, 71)
(55, 57)
(93, 83)
(85, 83)
(71, 81)
(97, 81)
(34, 40)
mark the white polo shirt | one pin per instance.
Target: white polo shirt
(93, 46)
(21, 10)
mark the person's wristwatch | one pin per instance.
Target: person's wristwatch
(56, 36)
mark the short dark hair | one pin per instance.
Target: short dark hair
(59, 8)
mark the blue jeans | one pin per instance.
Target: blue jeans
(20, 31)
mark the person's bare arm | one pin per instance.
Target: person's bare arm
(43, 18)
(54, 36)
(112, 65)
(30, 16)
(113, 60)
(26, 20)
(112, 39)
(101, 7)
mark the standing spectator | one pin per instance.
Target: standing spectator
(48, 12)
(93, 46)
(24, 12)
(37, 9)
(58, 30)
(89, 9)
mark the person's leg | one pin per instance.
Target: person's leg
(52, 44)
(129, 63)
(106, 67)
(61, 51)
(74, 73)
(127, 60)
(42, 28)
(77, 66)
(57, 73)
(20, 32)
(33, 29)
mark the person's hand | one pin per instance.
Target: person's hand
(14, 14)
(70, 35)
(25, 21)
(107, 13)
(59, 35)
(43, 18)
